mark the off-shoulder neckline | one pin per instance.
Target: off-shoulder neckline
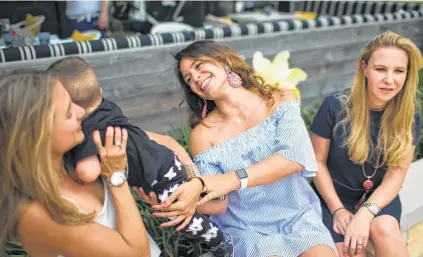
(278, 109)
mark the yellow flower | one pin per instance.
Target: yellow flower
(278, 73)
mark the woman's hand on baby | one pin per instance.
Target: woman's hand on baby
(181, 204)
(219, 185)
(113, 153)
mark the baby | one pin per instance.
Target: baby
(151, 166)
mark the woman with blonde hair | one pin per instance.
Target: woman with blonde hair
(41, 205)
(251, 145)
(364, 140)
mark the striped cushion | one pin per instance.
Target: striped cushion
(113, 44)
(341, 8)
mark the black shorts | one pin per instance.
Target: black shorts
(393, 209)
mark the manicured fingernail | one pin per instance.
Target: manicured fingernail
(154, 215)
(164, 203)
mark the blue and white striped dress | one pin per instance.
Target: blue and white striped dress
(282, 218)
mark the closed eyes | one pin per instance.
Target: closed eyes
(383, 69)
(197, 66)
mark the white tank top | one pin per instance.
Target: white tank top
(107, 217)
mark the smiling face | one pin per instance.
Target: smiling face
(66, 132)
(204, 78)
(386, 73)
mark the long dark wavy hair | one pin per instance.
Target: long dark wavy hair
(208, 51)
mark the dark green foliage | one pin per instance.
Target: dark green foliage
(14, 249)
(308, 115)
(181, 134)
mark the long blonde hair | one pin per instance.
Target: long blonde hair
(396, 132)
(26, 168)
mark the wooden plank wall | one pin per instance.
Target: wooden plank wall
(143, 81)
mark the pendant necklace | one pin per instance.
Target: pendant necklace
(368, 184)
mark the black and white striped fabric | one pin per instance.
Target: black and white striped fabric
(341, 8)
(24, 53)
(113, 44)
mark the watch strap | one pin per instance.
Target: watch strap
(242, 175)
(372, 207)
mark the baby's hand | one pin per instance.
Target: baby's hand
(88, 169)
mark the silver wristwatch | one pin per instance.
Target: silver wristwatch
(117, 178)
(372, 207)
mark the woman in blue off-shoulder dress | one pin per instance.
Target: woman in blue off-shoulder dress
(251, 145)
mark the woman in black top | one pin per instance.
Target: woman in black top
(364, 140)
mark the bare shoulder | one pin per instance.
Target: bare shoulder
(200, 139)
(46, 237)
(33, 211)
(32, 234)
(284, 95)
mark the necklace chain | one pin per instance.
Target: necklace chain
(238, 120)
(376, 168)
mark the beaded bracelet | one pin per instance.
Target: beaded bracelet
(192, 171)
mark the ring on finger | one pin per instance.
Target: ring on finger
(117, 143)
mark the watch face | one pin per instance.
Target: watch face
(241, 173)
(117, 178)
(374, 209)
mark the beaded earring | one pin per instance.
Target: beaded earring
(234, 79)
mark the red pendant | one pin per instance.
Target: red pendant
(368, 184)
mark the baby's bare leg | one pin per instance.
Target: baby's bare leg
(88, 169)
